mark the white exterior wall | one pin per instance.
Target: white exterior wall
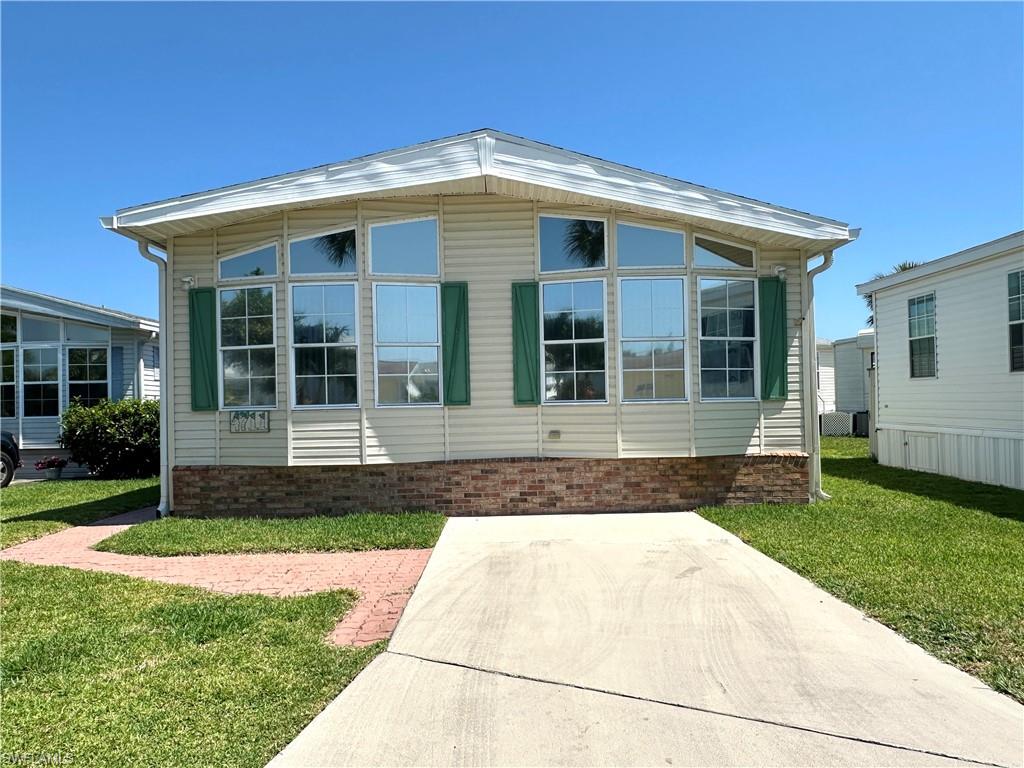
(826, 379)
(851, 376)
(489, 242)
(967, 421)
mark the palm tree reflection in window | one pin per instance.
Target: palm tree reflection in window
(339, 248)
(584, 243)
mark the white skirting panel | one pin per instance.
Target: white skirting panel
(985, 459)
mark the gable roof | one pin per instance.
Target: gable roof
(997, 247)
(481, 162)
(12, 298)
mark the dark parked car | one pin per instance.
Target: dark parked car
(10, 457)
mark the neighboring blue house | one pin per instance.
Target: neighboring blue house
(53, 351)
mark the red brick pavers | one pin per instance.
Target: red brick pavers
(384, 579)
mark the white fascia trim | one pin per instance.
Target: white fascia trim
(987, 250)
(482, 154)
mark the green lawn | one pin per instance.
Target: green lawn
(31, 510)
(107, 670)
(191, 536)
(937, 559)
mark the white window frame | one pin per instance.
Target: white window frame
(934, 335)
(273, 345)
(15, 349)
(55, 345)
(543, 342)
(17, 328)
(436, 275)
(1009, 323)
(321, 277)
(244, 252)
(607, 250)
(734, 243)
(756, 340)
(292, 346)
(620, 311)
(376, 345)
(67, 362)
(664, 269)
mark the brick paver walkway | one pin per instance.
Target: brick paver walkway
(384, 579)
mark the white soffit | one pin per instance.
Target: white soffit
(472, 163)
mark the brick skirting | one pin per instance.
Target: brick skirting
(493, 486)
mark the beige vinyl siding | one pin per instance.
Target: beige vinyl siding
(489, 243)
(195, 440)
(783, 419)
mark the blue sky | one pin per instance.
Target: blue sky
(905, 120)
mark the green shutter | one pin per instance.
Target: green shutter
(772, 306)
(455, 342)
(202, 337)
(525, 343)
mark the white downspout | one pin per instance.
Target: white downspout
(811, 378)
(161, 265)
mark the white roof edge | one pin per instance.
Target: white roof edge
(485, 153)
(987, 250)
(79, 310)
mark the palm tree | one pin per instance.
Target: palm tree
(903, 266)
(584, 242)
(339, 248)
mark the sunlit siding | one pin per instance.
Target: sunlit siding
(826, 379)
(326, 436)
(489, 243)
(783, 419)
(852, 363)
(151, 372)
(194, 431)
(968, 421)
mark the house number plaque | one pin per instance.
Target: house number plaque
(250, 421)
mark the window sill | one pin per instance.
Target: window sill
(327, 407)
(560, 403)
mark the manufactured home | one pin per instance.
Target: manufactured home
(826, 366)
(483, 324)
(949, 344)
(854, 358)
(55, 351)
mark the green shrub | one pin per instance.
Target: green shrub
(114, 439)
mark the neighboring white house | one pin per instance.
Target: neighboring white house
(853, 359)
(826, 363)
(54, 350)
(950, 364)
(484, 324)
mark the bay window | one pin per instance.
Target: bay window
(921, 320)
(325, 345)
(727, 336)
(653, 338)
(248, 353)
(573, 340)
(407, 344)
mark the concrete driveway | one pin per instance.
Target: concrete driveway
(645, 639)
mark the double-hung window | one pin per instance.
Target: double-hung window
(1015, 290)
(921, 320)
(88, 377)
(573, 338)
(248, 353)
(8, 367)
(727, 336)
(407, 348)
(653, 333)
(325, 344)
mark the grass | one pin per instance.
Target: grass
(347, 533)
(939, 560)
(108, 670)
(31, 510)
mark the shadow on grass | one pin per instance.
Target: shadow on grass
(91, 511)
(993, 499)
